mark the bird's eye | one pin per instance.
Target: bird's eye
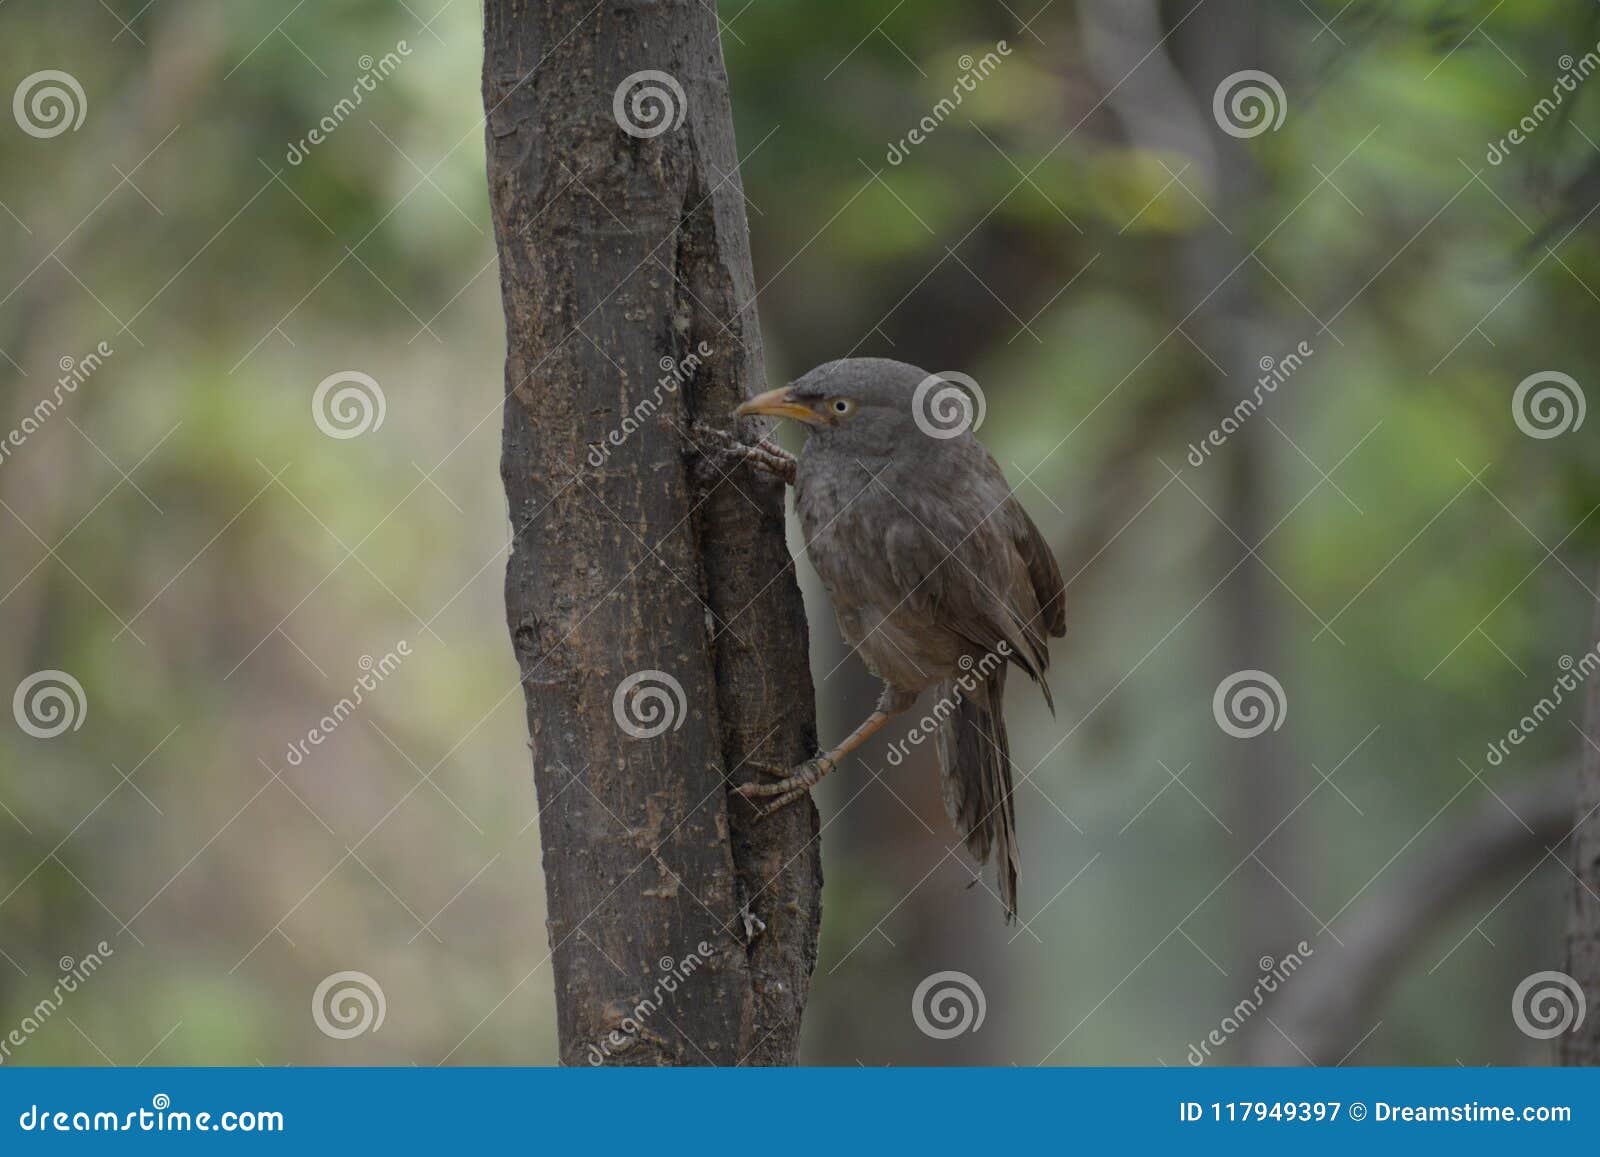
(843, 406)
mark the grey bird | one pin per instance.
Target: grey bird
(937, 575)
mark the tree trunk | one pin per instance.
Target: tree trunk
(1582, 1045)
(655, 618)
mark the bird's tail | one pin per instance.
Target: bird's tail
(975, 758)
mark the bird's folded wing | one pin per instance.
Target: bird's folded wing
(1043, 572)
(971, 570)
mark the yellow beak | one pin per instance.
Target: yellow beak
(779, 403)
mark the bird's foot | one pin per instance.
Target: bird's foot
(791, 785)
(764, 454)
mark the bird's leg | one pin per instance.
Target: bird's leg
(764, 453)
(807, 775)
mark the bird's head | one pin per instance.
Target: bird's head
(864, 404)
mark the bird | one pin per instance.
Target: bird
(938, 577)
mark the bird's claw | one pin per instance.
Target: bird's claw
(777, 805)
(764, 454)
(795, 782)
(802, 776)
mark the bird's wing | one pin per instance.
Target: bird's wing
(1043, 571)
(968, 558)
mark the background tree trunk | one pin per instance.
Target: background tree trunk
(619, 251)
(1236, 325)
(1158, 79)
(1582, 1046)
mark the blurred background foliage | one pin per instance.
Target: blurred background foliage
(182, 538)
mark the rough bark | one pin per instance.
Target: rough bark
(1582, 1045)
(1328, 1007)
(619, 251)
